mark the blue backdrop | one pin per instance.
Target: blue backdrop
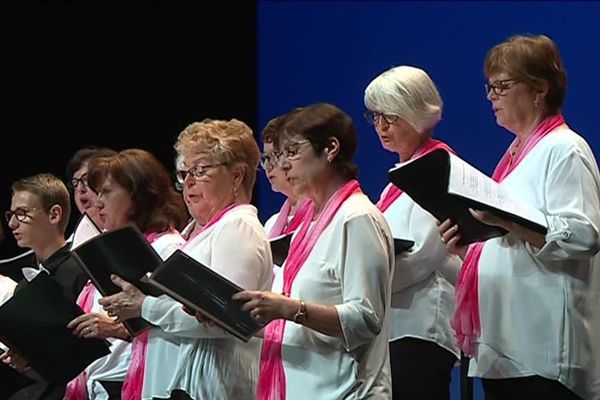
(329, 51)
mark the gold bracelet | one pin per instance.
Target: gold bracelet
(300, 316)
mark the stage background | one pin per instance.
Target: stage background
(134, 74)
(116, 74)
(330, 51)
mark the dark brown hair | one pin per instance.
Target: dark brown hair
(83, 156)
(272, 130)
(157, 206)
(532, 60)
(319, 122)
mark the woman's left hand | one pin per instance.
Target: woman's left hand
(267, 306)
(126, 304)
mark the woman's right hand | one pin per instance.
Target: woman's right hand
(97, 325)
(450, 236)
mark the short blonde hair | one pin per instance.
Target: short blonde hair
(407, 92)
(229, 142)
(51, 191)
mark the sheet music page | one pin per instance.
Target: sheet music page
(84, 231)
(467, 181)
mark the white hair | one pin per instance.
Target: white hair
(407, 92)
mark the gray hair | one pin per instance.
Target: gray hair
(407, 92)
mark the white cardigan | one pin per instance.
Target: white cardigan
(540, 307)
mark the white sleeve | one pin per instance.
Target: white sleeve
(427, 255)
(168, 315)
(365, 273)
(572, 209)
(270, 223)
(237, 253)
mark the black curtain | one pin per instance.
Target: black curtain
(117, 74)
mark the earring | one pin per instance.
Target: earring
(535, 104)
(235, 191)
(329, 160)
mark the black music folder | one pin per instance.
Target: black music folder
(11, 381)
(202, 289)
(447, 187)
(280, 247)
(402, 245)
(34, 324)
(123, 252)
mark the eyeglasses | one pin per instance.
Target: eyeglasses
(75, 182)
(197, 171)
(291, 150)
(21, 214)
(374, 117)
(499, 87)
(269, 161)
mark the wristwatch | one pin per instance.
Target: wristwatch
(300, 316)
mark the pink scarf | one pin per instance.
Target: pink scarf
(271, 382)
(211, 222)
(392, 192)
(466, 320)
(281, 226)
(77, 388)
(134, 380)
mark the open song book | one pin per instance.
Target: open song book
(126, 253)
(201, 289)
(123, 252)
(447, 187)
(34, 324)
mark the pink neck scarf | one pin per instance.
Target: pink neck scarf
(392, 192)
(77, 388)
(466, 320)
(211, 222)
(271, 381)
(281, 226)
(134, 380)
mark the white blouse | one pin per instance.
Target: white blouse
(202, 360)
(113, 366)
(350, 267)
(540, 307)
(271, 222)
(422, 289)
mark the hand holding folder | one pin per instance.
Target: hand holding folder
(447, 187)
(204, 291)
(123, 252)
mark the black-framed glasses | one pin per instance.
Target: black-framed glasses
(499, 87)
(375, 117)
(75, 182)
(270, 160)
(21, 214)
(197, 171)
